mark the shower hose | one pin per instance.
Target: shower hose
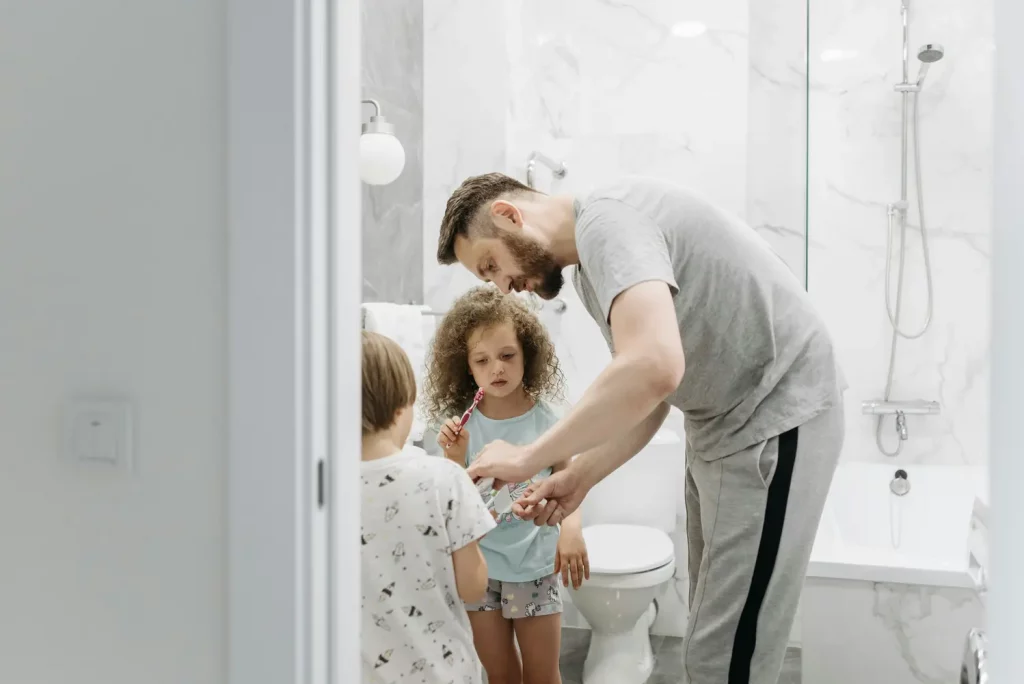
(894, 315)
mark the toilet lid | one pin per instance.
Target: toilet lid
(626, 549)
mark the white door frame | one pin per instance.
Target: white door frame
(293, 115)
(345, 220)
(1006, 465)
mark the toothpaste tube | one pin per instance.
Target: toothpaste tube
(499, 500)
(502, 501)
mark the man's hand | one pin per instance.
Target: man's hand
(551, 500)
(504, 462)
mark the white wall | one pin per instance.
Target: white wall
(112, 280)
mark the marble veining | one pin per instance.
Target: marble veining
(465, 81)
(856, 632)
(777, 126)
(392, 38)
(898, 609)
(854, 160)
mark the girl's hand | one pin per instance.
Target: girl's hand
(453, 441)
(571, 556)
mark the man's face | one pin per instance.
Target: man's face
(512, 261)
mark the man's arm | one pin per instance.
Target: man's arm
(555, 500)
(598, 463)
(648, 366)
(574, 521)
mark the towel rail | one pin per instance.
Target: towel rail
(557, 305)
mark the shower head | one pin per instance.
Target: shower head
(928, 54)
(932, 52)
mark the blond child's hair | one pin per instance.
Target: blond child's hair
(388, 382)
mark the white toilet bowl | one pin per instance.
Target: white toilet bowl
(629, 565)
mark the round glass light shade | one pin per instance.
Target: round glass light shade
(381, 158)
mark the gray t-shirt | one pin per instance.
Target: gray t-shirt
(759, 360)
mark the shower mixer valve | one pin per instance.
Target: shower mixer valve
(919, 407)
(901, 425)
(901, 409)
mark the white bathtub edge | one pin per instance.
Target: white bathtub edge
(956, 579)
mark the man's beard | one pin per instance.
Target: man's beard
(537, 264)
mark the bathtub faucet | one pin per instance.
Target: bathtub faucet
(901, 425)
(900, 484)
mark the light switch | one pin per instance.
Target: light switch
(100, 432)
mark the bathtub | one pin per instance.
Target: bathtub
(894, 583)
(869, 534)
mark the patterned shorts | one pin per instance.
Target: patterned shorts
(521, 599)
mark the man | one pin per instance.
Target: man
(701, 315)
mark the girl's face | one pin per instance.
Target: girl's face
(496, 359)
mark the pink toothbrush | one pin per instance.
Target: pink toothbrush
(465, 416)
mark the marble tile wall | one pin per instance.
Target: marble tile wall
(777, 127)
(465, 85)
(651, 87)
(855, 49)
(856, 632)
(392, 34)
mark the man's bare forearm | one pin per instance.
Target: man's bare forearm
(621, 397)
(601, 461)
(574, 521)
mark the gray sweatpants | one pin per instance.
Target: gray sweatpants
(751, 518)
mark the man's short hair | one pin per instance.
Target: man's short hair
(464, 205)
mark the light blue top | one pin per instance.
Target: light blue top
(516, 550)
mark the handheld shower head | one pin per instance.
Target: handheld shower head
(932, 52)
(928, 54)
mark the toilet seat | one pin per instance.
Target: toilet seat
(627, 549)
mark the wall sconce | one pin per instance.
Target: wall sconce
(381, 155)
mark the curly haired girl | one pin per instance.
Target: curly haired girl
(493, 342)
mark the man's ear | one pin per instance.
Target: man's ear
(506, 216)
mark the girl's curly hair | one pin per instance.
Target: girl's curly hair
(449, 387)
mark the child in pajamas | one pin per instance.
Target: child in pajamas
(493, 342)
(421, 521)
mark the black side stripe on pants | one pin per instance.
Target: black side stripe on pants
(767, 551)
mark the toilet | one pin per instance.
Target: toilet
(627, 520)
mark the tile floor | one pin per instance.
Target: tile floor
(668, 659)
